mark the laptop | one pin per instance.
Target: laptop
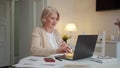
(84, 48)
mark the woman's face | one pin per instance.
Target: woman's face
(51, 20)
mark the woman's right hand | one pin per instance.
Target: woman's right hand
(64, 48)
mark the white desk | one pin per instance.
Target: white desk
(32, 62)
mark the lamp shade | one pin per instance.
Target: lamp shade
(71, 27)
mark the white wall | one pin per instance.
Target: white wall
(84, 15)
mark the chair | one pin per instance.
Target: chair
(100, 45)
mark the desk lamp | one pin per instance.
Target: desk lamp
(71, 29)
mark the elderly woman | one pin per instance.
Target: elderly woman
(45, 39)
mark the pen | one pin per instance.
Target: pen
(58, 58)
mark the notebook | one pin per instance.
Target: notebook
(84, 48)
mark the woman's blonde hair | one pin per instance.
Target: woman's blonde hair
(48, 11)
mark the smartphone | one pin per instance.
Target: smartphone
(49, 60)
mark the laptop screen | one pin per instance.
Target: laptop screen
(85, 46)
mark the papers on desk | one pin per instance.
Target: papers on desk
(34, 61)
(103, 59)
